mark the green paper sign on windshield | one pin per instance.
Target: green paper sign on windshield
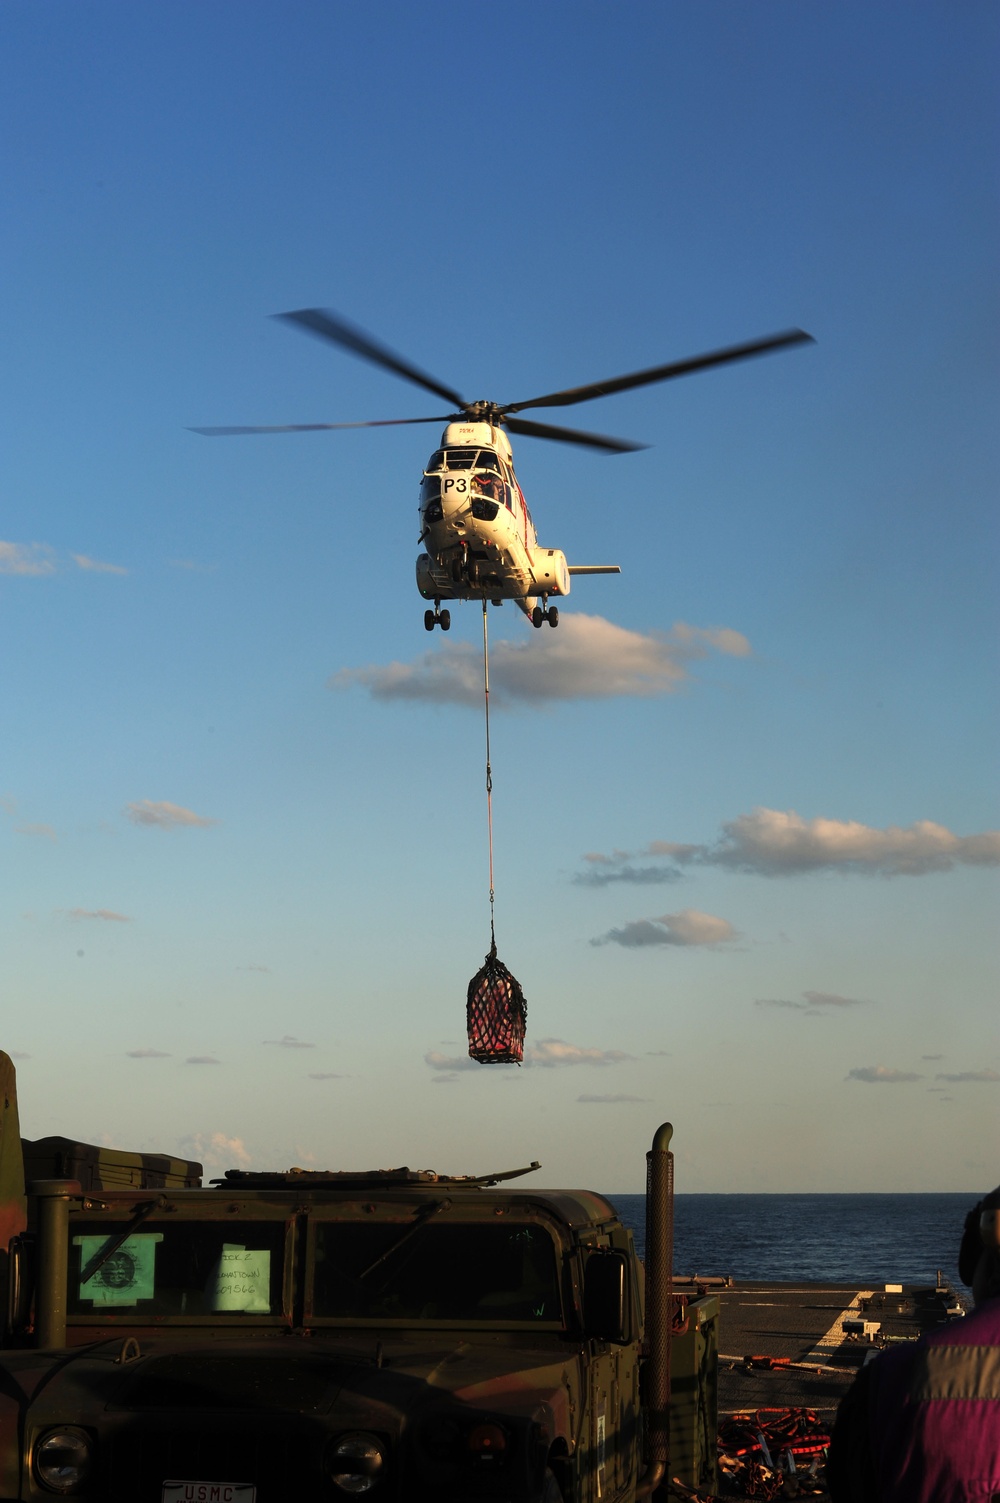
(241, 1280)
(126, 1276)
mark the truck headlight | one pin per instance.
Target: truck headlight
(356, 1463)
(63, 1459)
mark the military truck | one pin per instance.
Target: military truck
(397, 1334)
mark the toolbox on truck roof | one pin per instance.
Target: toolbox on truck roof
(106, 1168)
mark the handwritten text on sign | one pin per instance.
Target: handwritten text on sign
(241, 1280)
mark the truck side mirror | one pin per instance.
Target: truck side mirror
(20, 1284)
(605, 1297)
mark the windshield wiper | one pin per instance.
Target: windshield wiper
(114, 1243)
(422, 1218)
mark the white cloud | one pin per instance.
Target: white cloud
(601, 875)
(689, 927)
(552, 1053)
(107, 914)
(771, 841)
(882, 1075)
(448, 1062)
(216, 1150)
(610, 1100)
(620, 866)
(814, 1002)
(288, 1041)
(549, 1054)
(586, 658)
(970, 1077)
(202, 1059)
(26, 558)
(832, 999)
(95, 566)
(697, 640)
(38, 832)
(776, 842)
(147, 1054)
(165, 815)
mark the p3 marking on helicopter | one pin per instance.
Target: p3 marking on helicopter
(478, 537)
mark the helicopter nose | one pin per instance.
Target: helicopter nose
(454, 494)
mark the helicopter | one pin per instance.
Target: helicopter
(477, 534)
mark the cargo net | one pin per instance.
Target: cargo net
(767, 1453)
(495, 1014)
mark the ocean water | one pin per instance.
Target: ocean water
(842, 1238)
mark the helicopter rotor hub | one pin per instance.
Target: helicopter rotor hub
(484, 412)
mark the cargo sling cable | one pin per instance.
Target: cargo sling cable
(495, 1007)
(489, 773)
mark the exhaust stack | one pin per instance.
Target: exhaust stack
(659, 1306)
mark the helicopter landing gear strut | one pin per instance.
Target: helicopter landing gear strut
(542, 613)
(437, 617)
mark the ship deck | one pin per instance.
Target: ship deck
(804, 1323)
(805, 1330)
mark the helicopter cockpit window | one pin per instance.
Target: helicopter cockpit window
(436, 461)
(461, 459)
(430, 487)
(490, 492)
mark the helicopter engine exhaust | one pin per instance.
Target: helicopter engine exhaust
(549, 572)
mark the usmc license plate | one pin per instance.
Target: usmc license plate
(209, 1492)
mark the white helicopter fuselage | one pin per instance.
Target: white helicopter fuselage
(475, 527)
(478, 537)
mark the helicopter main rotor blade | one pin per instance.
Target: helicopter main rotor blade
(664, 372)
(315, 427)
(328, 326)
(571, 436)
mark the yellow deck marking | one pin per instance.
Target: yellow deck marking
(829, 1343)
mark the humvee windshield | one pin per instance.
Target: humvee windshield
(368, 1271)
(191, 1268)
(476, 1272)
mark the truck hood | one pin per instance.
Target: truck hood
(309, 1376)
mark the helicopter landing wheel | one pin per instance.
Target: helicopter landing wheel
(552, 616)
(445, 620)
(537, 616)
(429, 620)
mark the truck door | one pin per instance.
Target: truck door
(613, 1408)
(603, 1476)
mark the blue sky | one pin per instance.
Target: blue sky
(745, 796)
